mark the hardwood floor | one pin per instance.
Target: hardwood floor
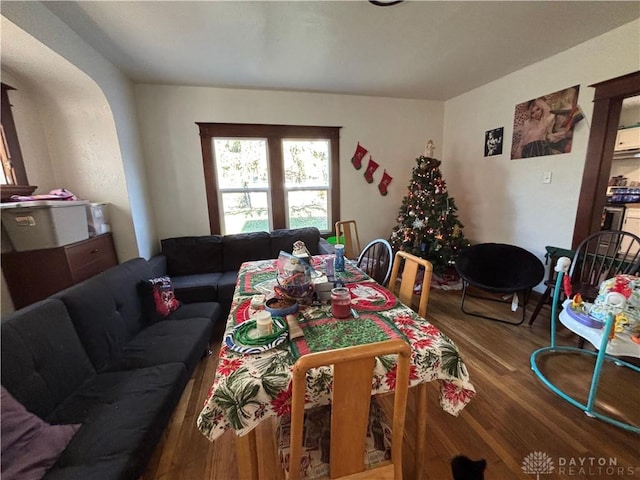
(512, 416)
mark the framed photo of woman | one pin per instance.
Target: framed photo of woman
(493, 142)
(544, 125)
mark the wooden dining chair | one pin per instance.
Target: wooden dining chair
(376, 259)
(349, 415)
(406, 270)
(349, 230)
(599, 256)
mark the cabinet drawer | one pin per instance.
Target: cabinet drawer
(99, 265)
(98, 250)
(35, 274)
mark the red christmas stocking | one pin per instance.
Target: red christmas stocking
(384, 183)
(368, 175)
(358, 156)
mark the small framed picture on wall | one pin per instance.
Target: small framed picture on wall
(493, 142)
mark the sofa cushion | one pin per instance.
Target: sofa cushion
(106, 310)
(31, 338)
(98, 320)
(30, 446)
(158, 265)
(283, 240)
(189, 255)
(123, 416)
(200, 287)
(244, 247)
(226, 286)
(158, 297)
(167, 341)
(122, 282)
(209, 310)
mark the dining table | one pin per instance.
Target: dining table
(253, 385)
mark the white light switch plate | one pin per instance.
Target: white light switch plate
(546, 177)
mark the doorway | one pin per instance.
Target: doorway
(608, 98)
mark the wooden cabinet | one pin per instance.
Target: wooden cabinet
(628, 139)
(631, 223)
(35, 274)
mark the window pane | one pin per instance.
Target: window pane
(241, 163)
(8, 173)
(306, 163)
(245, 212)
(308, 208)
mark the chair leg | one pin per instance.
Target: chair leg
(465, 284)
(543, 299)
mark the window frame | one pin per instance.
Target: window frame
(274, 134)
(12, 145)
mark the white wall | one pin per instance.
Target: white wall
(503, 200)
(394, 131)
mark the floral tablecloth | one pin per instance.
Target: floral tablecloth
(250, 388)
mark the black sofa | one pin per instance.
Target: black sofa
(91, 355)
(205, 268)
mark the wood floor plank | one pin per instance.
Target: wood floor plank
(512, 415)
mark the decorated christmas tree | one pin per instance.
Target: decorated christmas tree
(428, 226)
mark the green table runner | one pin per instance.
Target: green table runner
(327, 333)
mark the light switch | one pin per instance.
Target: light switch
(546, 177)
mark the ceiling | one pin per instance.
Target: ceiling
(415, 49)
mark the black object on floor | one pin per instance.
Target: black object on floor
(463, 468)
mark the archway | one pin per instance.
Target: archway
(607, 99)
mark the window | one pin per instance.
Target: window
(265, 177)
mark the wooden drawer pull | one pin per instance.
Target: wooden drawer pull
(95, 250)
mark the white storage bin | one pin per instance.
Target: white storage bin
(45, 224)
(97, 219)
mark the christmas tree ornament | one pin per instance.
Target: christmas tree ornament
(371, 168)
(418, 224)
(358, 156)
(429, 148)
(384, 183)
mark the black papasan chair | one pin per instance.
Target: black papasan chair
(500, 269)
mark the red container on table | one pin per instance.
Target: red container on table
(340, 302)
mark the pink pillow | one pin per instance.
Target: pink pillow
(30, 446)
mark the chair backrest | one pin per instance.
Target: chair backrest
(376, 259)
(603, 255)
(349, 230)
(352, 384)
(412, 265)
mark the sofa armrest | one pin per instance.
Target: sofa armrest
(325, 247)
(158, 264)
